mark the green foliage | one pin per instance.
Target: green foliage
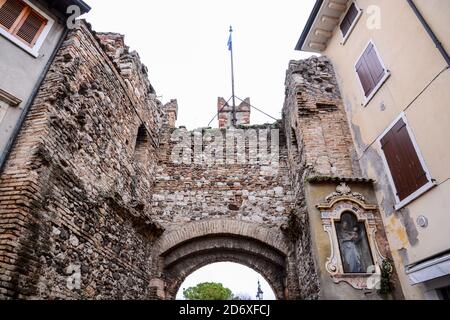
(386, 285)
(208, 291)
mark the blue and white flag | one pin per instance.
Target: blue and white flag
(230, 43)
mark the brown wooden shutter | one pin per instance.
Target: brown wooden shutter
(345, 26)
(391, 154)
(374, 64)
(10, 11)
(413, 168)
(370, 70)
(364, 76)
(349, 18)
(31, 27)
(406, 170)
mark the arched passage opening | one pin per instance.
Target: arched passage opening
(241, 280)
(183, 251)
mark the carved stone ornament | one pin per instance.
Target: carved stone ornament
(344, 190)
(359, 240)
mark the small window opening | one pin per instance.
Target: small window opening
(141, 142)
(294, 145)
(294, 141)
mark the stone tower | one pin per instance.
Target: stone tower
(225, 112)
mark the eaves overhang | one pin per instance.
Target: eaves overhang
(323, 20)
(62, 5)
(85, 8)
(433, 268)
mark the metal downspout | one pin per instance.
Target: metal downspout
(430, 32)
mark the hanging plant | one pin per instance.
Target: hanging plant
(386, 283)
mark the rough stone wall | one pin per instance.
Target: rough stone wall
(318, 143)
(257, 192)
(73, 197)
(251, 194)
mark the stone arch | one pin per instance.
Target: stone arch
(197, 244)
(191, 230)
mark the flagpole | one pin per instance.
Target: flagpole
(234, 120)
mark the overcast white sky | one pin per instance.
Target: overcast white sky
(237, 278)
(184, 45)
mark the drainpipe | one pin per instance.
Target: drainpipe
(430, 32)
(4, 156)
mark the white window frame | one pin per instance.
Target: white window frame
(34, 51)
(358, 16)
(387, 74)
(431, 182)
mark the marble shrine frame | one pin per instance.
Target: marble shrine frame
(336, 204)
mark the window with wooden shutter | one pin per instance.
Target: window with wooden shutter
(22, 21)
(10, 12)
(370, 70)
(407, 171)
(349, 19)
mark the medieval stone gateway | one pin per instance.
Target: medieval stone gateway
(202, 243)
(92, 205)
(223, 211)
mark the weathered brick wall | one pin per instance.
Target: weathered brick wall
(316, 122)
(318, 143)
(74, 218)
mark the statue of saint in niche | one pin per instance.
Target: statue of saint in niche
(353, 244)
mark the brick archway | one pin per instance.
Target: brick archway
(183, 251)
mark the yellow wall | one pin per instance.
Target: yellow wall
(438, 10)
(415, 65)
